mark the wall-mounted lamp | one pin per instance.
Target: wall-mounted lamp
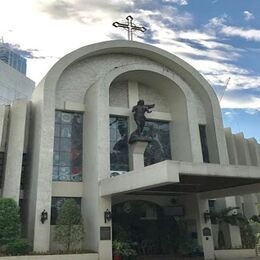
(107, 215)
(206, 216)
(44, 216)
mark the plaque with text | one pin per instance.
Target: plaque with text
(105, 233)
(206, 232)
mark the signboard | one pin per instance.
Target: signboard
(174, 211)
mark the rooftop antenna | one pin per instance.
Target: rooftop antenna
(224, 90)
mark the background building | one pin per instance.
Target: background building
(13, 85)
(13, 59)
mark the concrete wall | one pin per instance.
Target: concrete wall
(15, 149)
(235, 254)
(14, 85)
(244, 151)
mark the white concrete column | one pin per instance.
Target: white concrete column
(96, 167)
(41, 166)
(133, 94)
(232, 152)
(250, 205)
(194, 132)
(253, 151)
(137, 150)
(133, 97)
(15, 147)
(234, 231)
(207, 241)
(242, 149)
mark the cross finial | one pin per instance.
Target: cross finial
(130, 27)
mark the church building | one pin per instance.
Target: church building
(72, 141)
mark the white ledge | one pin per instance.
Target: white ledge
(168, 172)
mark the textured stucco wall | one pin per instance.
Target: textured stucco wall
(13, 84)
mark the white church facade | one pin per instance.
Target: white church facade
(71, 141)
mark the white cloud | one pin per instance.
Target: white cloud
(217, 25)
(248, 16)
(249, 34)
(40, 24)
(179, 2)
(245, 102)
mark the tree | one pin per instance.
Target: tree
(228, 216)
(10, 226)
(69, 229)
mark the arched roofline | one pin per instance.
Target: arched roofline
(171, 61)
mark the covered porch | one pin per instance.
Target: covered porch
(192, 183)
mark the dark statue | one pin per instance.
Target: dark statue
(139, 111)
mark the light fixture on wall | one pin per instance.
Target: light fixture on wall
(44, 216)
(206, 216)
(107, 215)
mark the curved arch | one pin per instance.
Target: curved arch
(169, 61)
(185, 134)
(191, 75)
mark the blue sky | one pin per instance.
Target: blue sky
(220, 38)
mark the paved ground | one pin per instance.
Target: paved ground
(168, 257)
(163, 257)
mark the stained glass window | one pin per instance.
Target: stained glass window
(67, 155)
(56, 203)
(24, 176)
(118, 143)
(159, 149)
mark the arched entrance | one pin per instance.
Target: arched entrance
(145, 226)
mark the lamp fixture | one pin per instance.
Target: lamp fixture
(44, 216)
(107, 215)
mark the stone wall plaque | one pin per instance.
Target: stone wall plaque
(105, 233)
(206, 232)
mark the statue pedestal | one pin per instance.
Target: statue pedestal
(137, 150)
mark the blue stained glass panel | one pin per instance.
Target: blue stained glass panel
(68, 146)
(159, 149)
(118, 143)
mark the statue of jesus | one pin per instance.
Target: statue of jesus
(139, 111)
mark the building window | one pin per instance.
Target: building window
(159, 149)
(118, 143)
(2, 155)
(67, 155)
(24, 176)
(204, 143)
(56, 203)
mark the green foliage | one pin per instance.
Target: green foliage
(18, 247)
(10, 226)
(123, 248)
(189, 248)
(225, 215)
(69, 229)
(247, 236)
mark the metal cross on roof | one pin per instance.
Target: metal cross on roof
(130, 27)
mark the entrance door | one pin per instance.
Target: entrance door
(144, 226)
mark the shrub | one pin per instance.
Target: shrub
(18, 247)
(10, 226)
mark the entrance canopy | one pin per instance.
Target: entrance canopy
(180, 178)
